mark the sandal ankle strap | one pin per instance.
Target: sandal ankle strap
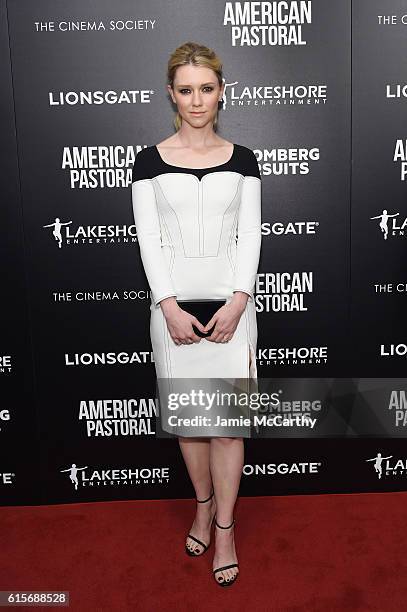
(221, 527)
(202, 501)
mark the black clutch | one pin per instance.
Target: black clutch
(203, 310)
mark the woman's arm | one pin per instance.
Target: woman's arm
(147, 224)
(249, 236)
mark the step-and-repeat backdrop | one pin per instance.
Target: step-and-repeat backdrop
(317, 89)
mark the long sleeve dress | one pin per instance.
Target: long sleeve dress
(199, 233)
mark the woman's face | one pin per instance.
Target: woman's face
(196, 93)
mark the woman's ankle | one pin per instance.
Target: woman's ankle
(224, 522)
(204, 494)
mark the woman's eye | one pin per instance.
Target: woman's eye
(187, 91)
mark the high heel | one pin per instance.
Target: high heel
(225, 582)
(205, 546)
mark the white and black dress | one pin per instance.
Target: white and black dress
(199, 232)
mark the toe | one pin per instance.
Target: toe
(190, 545)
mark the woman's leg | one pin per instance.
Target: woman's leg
(226, 462)
(195, 452)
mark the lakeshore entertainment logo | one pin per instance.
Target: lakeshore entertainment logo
(84, 476)
(111, 358)
(98, 97)
(390, 225)
(398, 403)
(383, 466)
(282, 469)
(118, 417)
(4, 416)
(238, 95)
(66, 234)
(283, 291)
(5, 364)
(290, 228)
(297, 355)
(393, 350)
(104, 166)
(267, 24)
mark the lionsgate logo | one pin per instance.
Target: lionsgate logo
(99, 167)
(396, 90)
(393, 350)
(300, 468)
(7, 478)
(5, 364)
(64, 233)
(283, 291)
(391, 224)
(296, 355)
(290, 228)
(4, 417)
(384, 467)
(85, 476)
(238, 95)
(254, 24)
(98, 97)
(111, 358)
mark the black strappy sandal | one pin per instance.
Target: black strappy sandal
(205, 546)
(225, 583)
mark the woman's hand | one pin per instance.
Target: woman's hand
(179, 322)
(227, 318)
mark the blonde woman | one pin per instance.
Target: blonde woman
(197, 210)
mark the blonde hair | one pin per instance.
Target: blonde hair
(195, 55)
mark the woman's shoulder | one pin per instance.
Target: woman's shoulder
(142, 166)
(247, 159)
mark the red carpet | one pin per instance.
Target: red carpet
(311, 553)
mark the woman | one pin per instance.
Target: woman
(191, 194)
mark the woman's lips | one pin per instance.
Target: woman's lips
(197, 112)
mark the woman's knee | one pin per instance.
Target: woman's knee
(226, 441)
